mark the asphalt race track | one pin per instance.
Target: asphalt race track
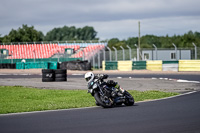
(195, 77)
(179, 114)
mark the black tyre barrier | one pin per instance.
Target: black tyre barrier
(8, 66)
(60, 75)
(76, 65)
(50, 75)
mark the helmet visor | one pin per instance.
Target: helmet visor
(87, 79)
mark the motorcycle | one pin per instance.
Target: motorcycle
(109, 96)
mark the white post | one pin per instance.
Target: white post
(156, 50)
(115, 53)
(175, 50)
(130, 52)
(110, 53)
(138, 58)
(123, 52)
(195, 48)
(99, 59)
(104, 54)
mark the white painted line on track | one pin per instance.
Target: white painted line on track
(119, 77)
(187, 81)
(177, 80)
(77, 74)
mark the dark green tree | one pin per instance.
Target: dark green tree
(147, 41)
(24, 34)
(112, 42)
(1, 39)
(71, 33)
(132, 41)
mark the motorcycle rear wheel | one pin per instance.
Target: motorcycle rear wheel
(99, 100)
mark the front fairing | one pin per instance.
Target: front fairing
(92, 86)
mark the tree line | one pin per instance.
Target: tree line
(30, 34)
(65, 33)
(147, 41)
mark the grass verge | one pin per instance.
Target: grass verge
(22, 99)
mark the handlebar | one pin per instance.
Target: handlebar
(102, 76)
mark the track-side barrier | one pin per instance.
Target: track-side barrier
(103, 66)
(111, 65)
(154, 65)
(36, 65)
(139, 65)
(125, 65)
(189, 65)
(170, 66)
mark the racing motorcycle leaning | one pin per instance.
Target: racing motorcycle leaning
(107, 94)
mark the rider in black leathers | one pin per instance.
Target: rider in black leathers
(110, 92)
(109, 83)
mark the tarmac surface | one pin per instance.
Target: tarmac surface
(178, 114)
(175, 115)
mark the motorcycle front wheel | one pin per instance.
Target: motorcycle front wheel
(103, 101)
(129, 100)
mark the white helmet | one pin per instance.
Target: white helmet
(89, 76)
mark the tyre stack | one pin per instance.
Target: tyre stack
(51, 75)
(60, 75)
(48, 75)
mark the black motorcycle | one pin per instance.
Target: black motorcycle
(109, 96)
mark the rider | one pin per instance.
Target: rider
(90, 78)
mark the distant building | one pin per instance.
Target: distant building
(166, 55)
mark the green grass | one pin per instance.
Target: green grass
(23, 99)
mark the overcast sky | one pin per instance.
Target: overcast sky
(110, 18)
